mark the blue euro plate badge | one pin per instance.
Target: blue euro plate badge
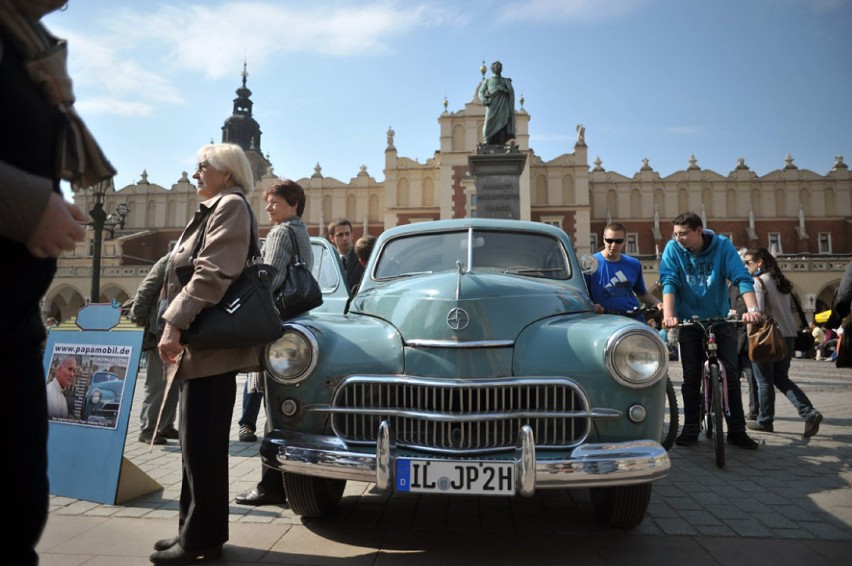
(466, 477)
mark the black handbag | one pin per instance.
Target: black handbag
(301, 291)
(246, 316)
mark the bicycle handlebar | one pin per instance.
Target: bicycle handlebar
(634, 312)
(707, 323)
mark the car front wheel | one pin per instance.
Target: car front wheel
(312, 497)
(623, 506)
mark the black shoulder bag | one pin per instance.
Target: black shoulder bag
(300, 291)
(246, 316)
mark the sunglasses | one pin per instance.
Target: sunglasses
(614, 240)
(749, 261)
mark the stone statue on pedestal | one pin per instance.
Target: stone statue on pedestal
(498, 96)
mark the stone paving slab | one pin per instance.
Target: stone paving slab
(787, 501)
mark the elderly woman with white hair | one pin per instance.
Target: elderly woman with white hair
(207, 377)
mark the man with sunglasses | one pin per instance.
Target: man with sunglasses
(617, 283)
(694, 272)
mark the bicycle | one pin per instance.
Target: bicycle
(713, 385)
(671, 415)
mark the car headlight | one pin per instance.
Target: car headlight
(96, 396)
(636, 358)
(292, 358)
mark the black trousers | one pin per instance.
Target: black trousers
(25, 411)
(692, 359)
(206, 411)
(25, 462)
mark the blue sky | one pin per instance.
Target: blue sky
(661, 79)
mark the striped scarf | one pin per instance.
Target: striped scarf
(79, 158)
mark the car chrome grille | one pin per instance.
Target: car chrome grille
(461, 415)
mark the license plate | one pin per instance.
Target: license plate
(447, 476)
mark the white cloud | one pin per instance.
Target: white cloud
(133, 62)
(113, 106)
(214, 39)
(127, 86)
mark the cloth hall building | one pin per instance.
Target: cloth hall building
(803, 217)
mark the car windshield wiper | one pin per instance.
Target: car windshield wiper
(406, 274)
(528, 271)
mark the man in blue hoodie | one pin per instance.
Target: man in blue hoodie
(694, 272)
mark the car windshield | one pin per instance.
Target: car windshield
(518, 253)
(324, 269)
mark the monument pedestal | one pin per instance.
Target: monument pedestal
(496, 170)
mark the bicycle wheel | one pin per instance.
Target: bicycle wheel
(717, 414)
(706, 420)
(671, 417)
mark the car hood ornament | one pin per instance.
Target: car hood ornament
(458, 319)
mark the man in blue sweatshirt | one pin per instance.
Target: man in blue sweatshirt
(694, 273)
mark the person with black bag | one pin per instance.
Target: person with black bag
(144, 311)
(285, 204)
(207, 376)
(773, 292)
(840, 313)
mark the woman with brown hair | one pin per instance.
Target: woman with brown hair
(773, 292)
(285, 204)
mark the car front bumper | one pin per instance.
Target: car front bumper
(587, 465)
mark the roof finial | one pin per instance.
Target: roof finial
(244, 74)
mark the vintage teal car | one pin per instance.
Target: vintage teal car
(469, 361)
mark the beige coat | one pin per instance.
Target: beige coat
(218, 264)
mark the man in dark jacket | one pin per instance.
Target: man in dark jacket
(145, 312)
(42, 140)
(340, 234)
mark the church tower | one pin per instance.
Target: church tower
(240, 128)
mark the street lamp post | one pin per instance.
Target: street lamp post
(101, 221)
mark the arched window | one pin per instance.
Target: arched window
(780, 200)
(636, 204)
(731, 203)
(151, 214)
(351, 208)
(540, 193)
(373, 208)
(612, 203)
(568, 190)
(707, 200)
(458, 137)
(327, 215)
(755, 201)
(402, 193)
(171, 209)
(805, 200)
(660, 201)
(428, 192)
(682, 200)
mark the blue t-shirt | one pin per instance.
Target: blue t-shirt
(616, 284)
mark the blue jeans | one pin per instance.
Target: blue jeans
(777, 374)
(251, 407)
(691, 340)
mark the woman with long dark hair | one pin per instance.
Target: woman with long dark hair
(773, 292)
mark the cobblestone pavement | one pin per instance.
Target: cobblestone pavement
(790, 502)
